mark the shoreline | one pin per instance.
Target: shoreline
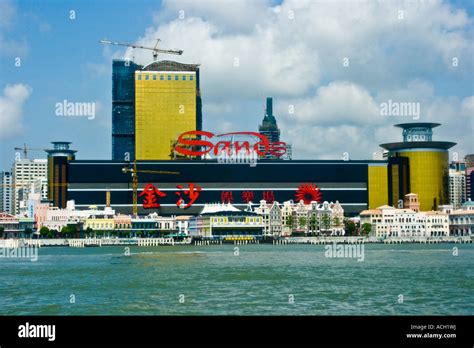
(147, 242)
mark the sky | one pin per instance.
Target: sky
(330, 66)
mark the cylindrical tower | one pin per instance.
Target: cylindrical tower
(428, 163)
(58, 159)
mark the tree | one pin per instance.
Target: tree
(89, 232)
(350, 227)
(28, 231)
(302, 221)
(366, 228)
(44, 231)
(290, 221)
(326, 222)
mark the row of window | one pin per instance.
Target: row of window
(169, 77)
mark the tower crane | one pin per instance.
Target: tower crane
(25, 149)
(155, 49)
(134, 171)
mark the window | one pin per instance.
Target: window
(139, 77)
(191, 77)
(169, 77)
(184, 77)
(154, 77)
(176, 77)
(162, 77)
(147, 77)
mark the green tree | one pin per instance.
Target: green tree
(89, 232)
(290, 221)
(303, 221)
(350, 227)
(28, 231)
(326, 222)
(44, 231)
(365, 229)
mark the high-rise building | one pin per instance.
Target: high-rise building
(6, 194)
(469, 172)
(425, 165)
(457, 188)
(58, 159)
(123, 109)
(167, 103)
(269, 127)
(24, 173)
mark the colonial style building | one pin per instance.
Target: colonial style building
(462, 220)
(387, 221)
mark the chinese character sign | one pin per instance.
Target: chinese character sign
(151, 192)
(151, 195)
(192, 193)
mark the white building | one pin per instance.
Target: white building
(387, 221)
(284, 219)
(24, 173)
(6, 194)
(462, 220)
(457, 188)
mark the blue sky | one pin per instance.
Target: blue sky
(289, 50)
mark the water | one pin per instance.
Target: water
(262, 280)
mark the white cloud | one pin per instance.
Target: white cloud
(294, 52)
(11, 109)
(9, 46)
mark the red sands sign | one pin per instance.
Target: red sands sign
(262, 147)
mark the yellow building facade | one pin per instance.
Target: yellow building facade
(428, 176)
(165, 107)
(378, 184)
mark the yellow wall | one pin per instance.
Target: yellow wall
(99, 224)
(428, 176)
(163, 110)
(378, 186)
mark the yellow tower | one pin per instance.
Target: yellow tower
(427, 163)
(167, 103)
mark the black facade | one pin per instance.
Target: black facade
(345, 181)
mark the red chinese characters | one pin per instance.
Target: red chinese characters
(226, 197)
(192, 193)
(268, 196)
(247, 196)
(152, 194)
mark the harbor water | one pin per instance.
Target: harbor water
(405, 279)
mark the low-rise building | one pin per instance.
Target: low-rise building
(462, 220)
(387, 221)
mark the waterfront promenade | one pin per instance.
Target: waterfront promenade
(146, 242)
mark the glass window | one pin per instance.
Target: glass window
(162, 77)
(191, 77)
(147, 77)
(139, 77)
(154, 77)
(184, 78)
(169, 77)
(176, 77)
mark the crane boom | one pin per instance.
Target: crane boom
(134, 171)
(155, 49)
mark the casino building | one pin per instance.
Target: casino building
(154, 104)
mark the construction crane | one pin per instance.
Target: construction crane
(25, 149)
(134, 171)
(155, 49)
